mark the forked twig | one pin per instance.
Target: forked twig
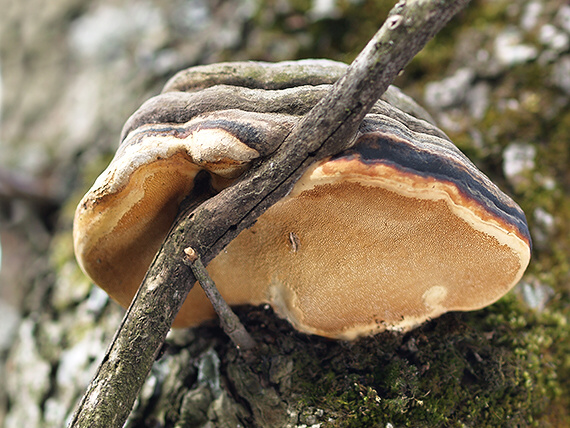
(327, 129)
(229, 321)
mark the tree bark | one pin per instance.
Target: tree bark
(72, 73)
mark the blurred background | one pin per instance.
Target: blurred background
(497, 81)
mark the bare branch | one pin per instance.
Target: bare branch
(328, 129)
(231, 324)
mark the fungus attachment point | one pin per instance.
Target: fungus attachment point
(398, 229)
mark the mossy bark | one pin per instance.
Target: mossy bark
(503, 366)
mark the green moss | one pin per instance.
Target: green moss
(487, 368)
(503, 366)
(547, 185)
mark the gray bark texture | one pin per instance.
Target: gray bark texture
(496, 80)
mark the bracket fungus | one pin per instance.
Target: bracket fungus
(398, 229)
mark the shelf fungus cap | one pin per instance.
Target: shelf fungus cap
(396, 230)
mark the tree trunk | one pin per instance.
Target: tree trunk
(497, 82)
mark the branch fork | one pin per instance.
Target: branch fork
(326, 130)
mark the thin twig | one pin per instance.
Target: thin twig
(327, 129)
(229, 321)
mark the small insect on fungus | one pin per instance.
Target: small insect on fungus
(294, 241)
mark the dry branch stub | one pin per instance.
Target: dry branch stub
(397, 229)
(229, 321)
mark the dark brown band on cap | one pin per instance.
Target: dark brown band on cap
(427, 157)
(181, 107)
(262, 132)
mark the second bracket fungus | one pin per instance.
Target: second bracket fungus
(398, 229)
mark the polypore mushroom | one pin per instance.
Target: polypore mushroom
(398, 229)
